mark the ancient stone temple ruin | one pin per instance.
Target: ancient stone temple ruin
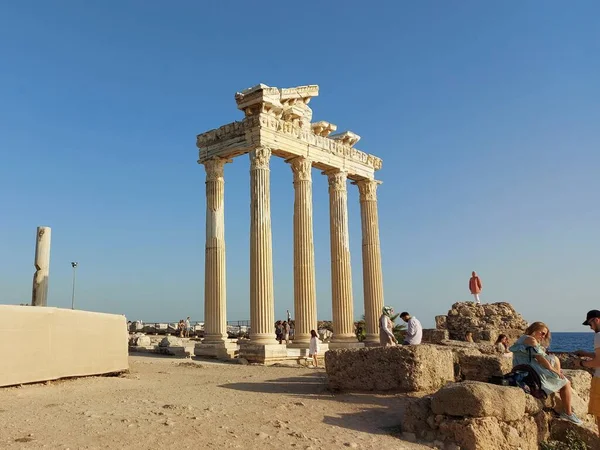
(277, 122)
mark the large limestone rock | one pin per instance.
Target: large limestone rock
(434, 336)
(483, 367)
(171, 341)
(411, 368)
(485, 321)
(476, 399)
(491, 433)
(587, 433)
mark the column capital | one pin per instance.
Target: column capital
(337, 180)
(367, 189)
(301, 167)
(214, 169)
(259, 158)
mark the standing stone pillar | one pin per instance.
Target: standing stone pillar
(42, 267)
(305, 299)
(262, 306)
(371, 255)
(341, 271)
(215, 317)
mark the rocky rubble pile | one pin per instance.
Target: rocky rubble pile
(485, 321)
(473, 415)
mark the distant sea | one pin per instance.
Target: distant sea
(569, 342)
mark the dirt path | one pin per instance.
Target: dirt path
(166, 403)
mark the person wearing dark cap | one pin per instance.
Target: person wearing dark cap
(593, 321)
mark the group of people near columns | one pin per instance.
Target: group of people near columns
(412, 336)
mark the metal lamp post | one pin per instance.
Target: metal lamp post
(74, 265)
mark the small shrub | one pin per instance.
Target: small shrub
(572, 442)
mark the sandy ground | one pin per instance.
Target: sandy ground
(169, 403)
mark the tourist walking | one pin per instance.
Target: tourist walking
(593, 321)
(475, 286)
(286, 332)
(529, 350)
(187, 327)
(386, 328)
(414, 329)
(314, 347)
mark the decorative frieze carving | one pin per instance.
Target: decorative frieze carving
(284, 111)
(302, 168)
(259, 158)
(368, 189)
(337, 180)
(214, 168)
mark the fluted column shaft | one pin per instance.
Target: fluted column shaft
(371, 255)
(341, 271)
(215, 316)
(305, 299)
(262, 307)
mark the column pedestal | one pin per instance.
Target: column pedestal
(228, 349)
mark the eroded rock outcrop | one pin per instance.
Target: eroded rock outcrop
(474, 415)
(486, 321)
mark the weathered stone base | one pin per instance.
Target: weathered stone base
(219, 350)
(410, 368)
(473, 416)
(333, 345)
(263, 353)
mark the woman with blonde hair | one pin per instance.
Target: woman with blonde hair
(529, 349)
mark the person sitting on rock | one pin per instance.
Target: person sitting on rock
(386, 328)
(529, 350)
(501, 345)
(469, 337)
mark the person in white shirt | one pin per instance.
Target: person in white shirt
(187, 327)
(414, 329)
(593, 321)
(313, 348)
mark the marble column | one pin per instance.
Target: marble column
(305, 299)
(215, 317)
(341, 271)
(39, 295)
(371, 256)
(262, 306)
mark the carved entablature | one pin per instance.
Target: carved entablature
(285, 111)
(309, 137)
(323, 128)
(260, 99)
(229, 131)
(346, 137)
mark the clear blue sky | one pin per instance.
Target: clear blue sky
(486, 115)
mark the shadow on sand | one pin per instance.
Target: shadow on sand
(377, 414)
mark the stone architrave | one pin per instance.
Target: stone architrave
(371, 256)
(39, 295)
(215, 317)
(341, 271)
(262, 305)
(305, 300)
